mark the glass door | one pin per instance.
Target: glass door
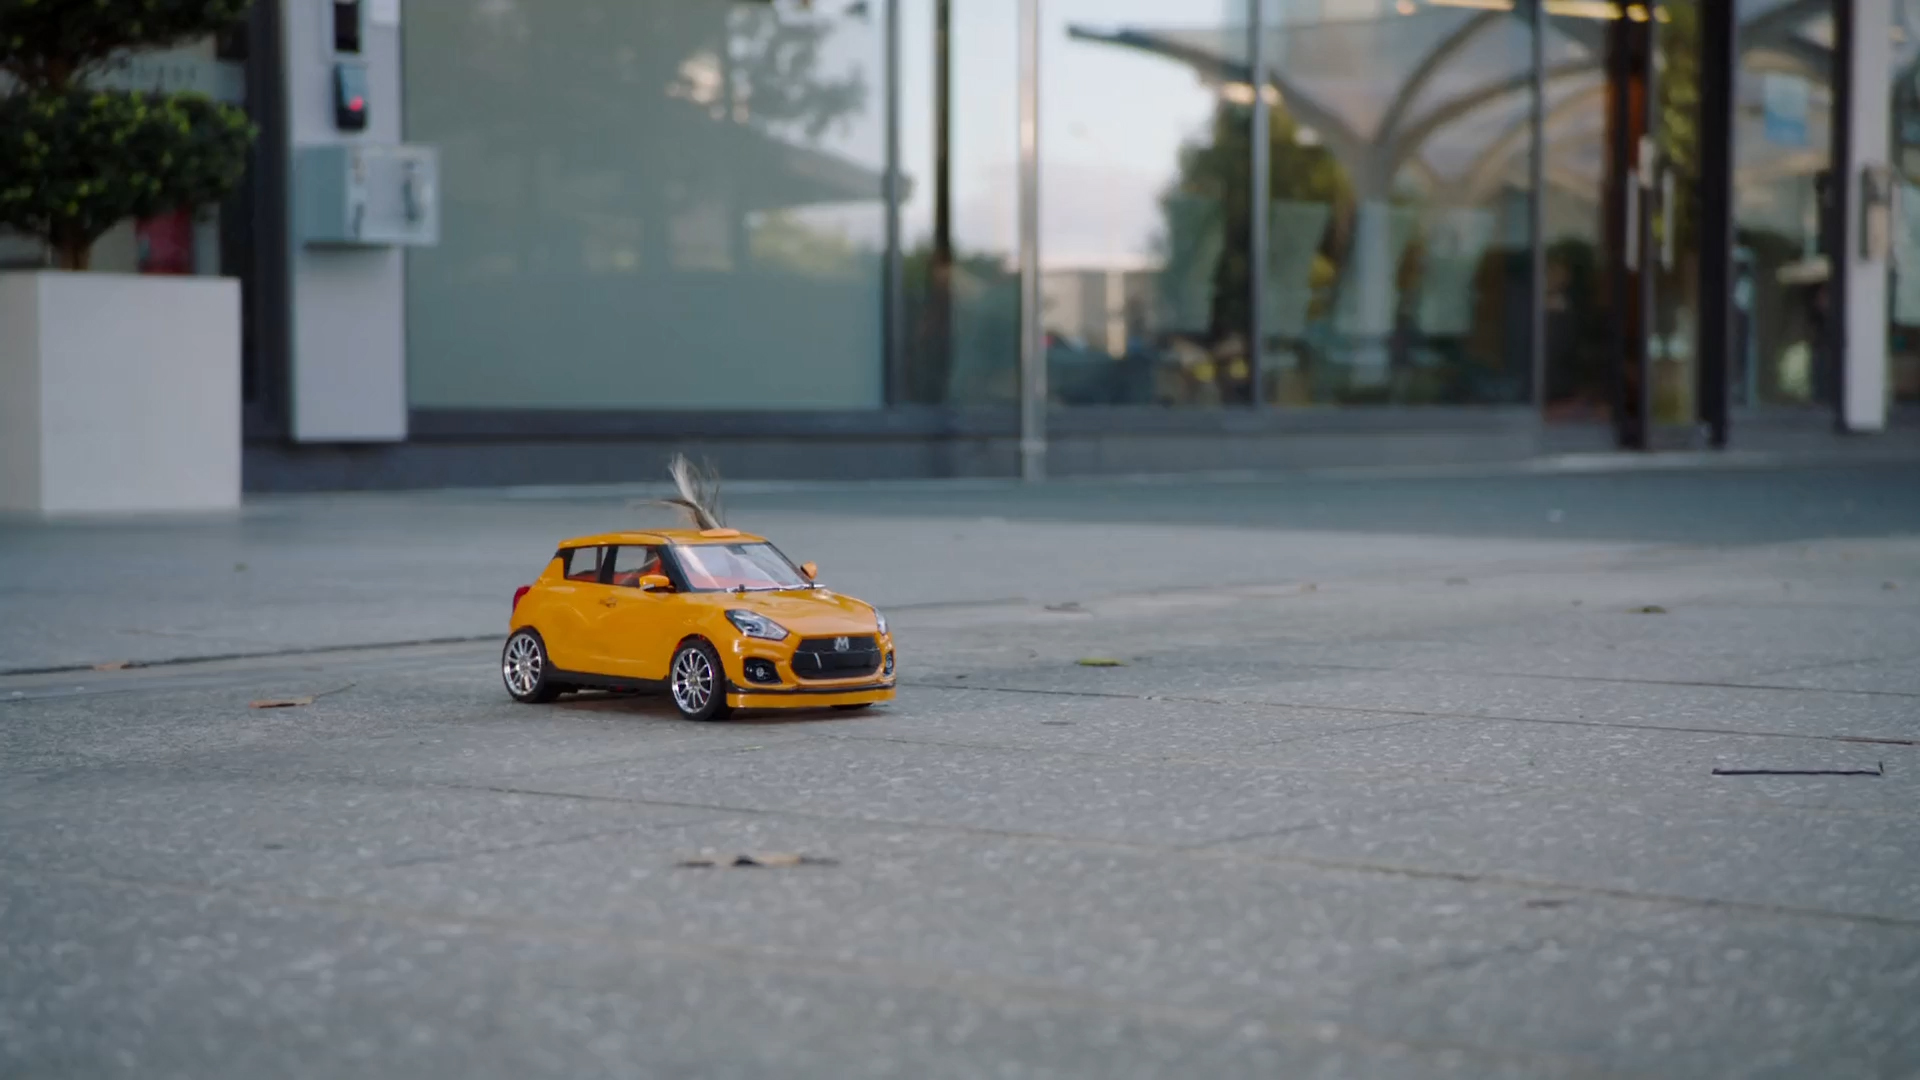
(1622, 171)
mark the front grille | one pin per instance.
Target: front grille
(819, 658)
(862, 643)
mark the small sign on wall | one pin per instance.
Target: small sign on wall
(1785, 101)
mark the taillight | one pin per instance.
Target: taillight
(518, 593)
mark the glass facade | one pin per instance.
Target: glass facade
(959, 207)
(649, 204)
(684, 205)
(1399, 262)
(1144, 196)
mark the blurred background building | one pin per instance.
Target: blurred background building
(786, 233)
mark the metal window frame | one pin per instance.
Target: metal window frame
(1840, 188)
(269, 293)
(893, 300)
(1033, 369)
(1719, 76)
(1537, 214)
(1260, 138)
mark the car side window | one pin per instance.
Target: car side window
(583, 564)
(631, 562)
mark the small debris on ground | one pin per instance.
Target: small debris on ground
(1890, 586)
(1056, 723)
(1879, 769)
(294, 702)
(768, 859)
(1547, 902)
(111, 665)
(1071, 606)
(1650, 609)
(1101, 661)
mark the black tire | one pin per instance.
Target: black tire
(524, 655)
(862, 705)
(697, 682)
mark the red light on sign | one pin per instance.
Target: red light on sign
(356, 104)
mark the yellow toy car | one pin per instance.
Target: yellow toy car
(718, 618)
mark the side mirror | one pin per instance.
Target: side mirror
(656, 582)
(812, 571)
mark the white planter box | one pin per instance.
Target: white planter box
(118, 392)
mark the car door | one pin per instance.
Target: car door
(635, 629)
(576, 603)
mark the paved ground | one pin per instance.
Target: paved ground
(1399, 778)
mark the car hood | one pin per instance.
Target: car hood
(808, 614)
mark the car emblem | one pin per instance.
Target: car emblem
(841, 644)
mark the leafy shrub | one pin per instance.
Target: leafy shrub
(74, 160)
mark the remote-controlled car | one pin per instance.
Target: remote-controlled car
(718, 618)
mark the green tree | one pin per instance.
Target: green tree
(76, 160)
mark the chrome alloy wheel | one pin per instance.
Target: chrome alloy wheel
(522, 664)
(692, 681)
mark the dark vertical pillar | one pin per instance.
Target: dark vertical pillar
(892, 302)
(1622, 217)
(270, 299)
(1836, 204)
(1260, 198)
(937, 357)
(1719, 70)
(1537, 216)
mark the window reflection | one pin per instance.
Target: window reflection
(960, 211)
(1782, 347)
(649, 204)
(1144, 221)
(1399, 268)
(1399, 218)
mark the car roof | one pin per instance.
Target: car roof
(665, 536)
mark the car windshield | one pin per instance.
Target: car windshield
(737, 566)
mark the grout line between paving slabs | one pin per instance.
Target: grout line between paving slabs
(1704, 684)
(1387, 711)
(1631, 558)
(1270, 1026)
(1502, 788)
(1194, 851)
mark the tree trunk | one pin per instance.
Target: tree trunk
(72, 254)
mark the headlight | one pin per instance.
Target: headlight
(755, 625)
(882, 618)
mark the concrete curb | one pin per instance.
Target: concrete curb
(1552, 465)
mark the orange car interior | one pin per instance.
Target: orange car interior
(590, 575)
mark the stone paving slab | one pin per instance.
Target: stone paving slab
(1372, 796)
(347, 990)
(1005, 789)
(1686, 845)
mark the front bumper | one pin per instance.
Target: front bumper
(809, 697)
(792, 692)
